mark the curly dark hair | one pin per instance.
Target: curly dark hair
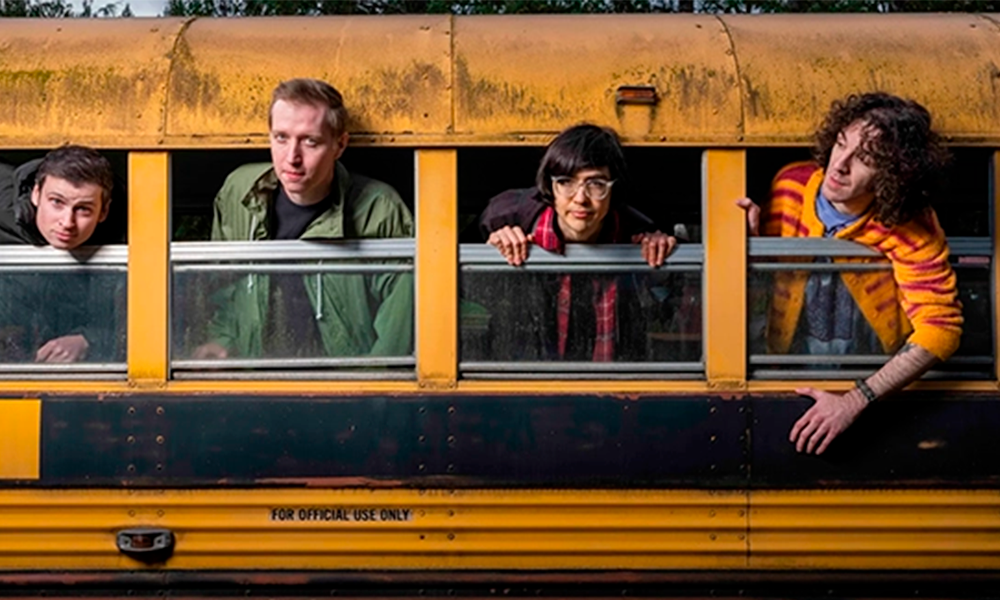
(907, 155)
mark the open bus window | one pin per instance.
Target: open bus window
(814, 316)
(598, 311)
(62, 311)
(62, 314)
(297, 308)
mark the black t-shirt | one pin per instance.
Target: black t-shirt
(291, 325)
(290, 220)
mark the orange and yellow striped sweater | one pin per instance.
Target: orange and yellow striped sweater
(916, 302)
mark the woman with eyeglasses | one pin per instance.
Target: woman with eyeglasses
(574, 201)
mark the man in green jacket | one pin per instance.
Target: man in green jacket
(305, 193)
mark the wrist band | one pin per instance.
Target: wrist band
(866, 390)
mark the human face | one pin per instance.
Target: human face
(849, 178)
(67, 214)
(579, 217)
(304, 150)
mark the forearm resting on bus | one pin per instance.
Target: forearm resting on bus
(833, 413)
(906, 366)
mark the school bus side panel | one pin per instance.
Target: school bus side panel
(394, 73)
(577, 65)
(794, 66)
(87, 81)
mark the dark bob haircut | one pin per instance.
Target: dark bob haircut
(582, 146)
(906, 154)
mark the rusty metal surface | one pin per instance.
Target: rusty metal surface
(793, 66)
(394, 72)
(515, 75)
(731, 80)
(437, 440)
(932, 439)
(99, 81)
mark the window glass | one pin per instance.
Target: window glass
(828, 321)
(515, 317)
(62, 320)
(312, 316)
(62, 313)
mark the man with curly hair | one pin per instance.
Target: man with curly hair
(882, 165)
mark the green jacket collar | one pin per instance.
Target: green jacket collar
(328, 225)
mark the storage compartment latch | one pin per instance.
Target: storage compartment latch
(146, 544)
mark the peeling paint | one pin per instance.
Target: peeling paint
(483, 98)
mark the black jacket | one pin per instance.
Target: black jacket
(17, 223)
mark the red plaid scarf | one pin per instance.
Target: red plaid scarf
(605, 288)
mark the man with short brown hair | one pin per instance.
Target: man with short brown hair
(61, 201)
(307, 193)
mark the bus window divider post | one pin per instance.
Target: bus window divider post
(724, 227)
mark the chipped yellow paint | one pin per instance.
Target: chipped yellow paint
(446, 529)
(20, 438)
(84, 80)
(394, 72)
(577, 64)
(877, 529)
(438, 80)
(947, 62)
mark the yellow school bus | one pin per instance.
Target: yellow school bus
(463, 468)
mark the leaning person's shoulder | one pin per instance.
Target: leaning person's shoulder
(518, 207)
(918, 240)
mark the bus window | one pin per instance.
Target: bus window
(829, 309)
(63, 315)
(623, 318)
(313, 307)
(63, 300)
